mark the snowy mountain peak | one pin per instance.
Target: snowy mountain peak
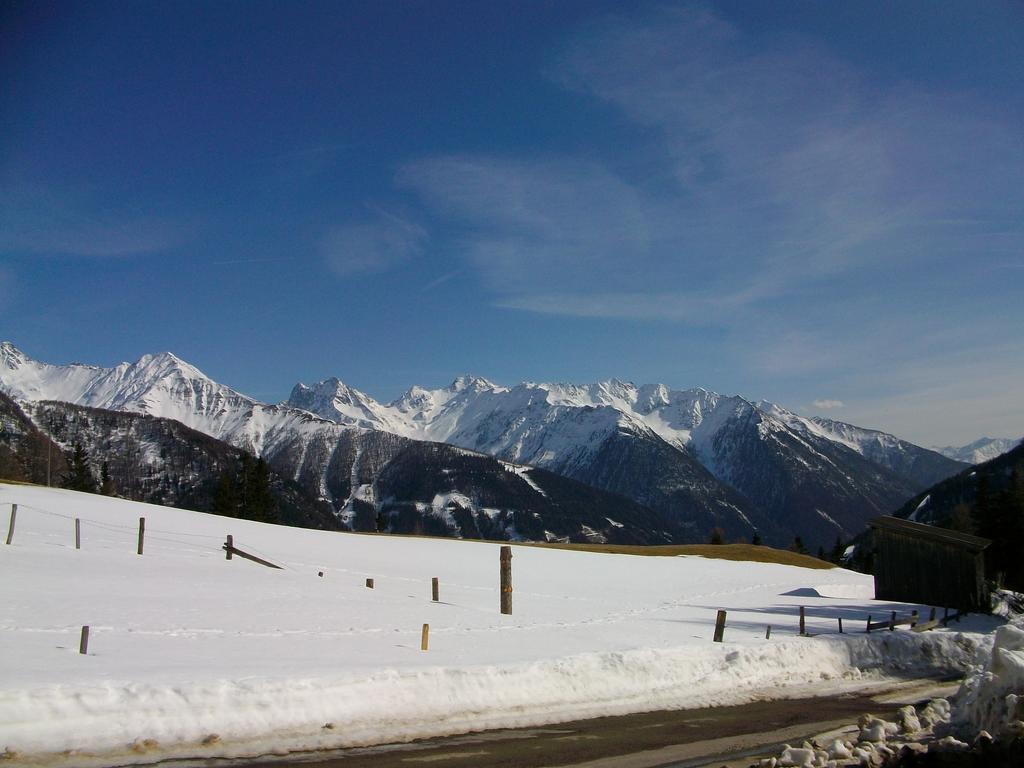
(159, 384)
(473, 383)
(416, 400)
(11, 358)
(164, 364)
(8, 350)
(334, 400)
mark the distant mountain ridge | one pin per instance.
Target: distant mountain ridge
(774, 470)
(981, 450)
(699, 459)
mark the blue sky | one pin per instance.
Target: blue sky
(820, 204)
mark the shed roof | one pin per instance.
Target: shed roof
(930, 533)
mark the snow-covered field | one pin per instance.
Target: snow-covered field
(192, 655)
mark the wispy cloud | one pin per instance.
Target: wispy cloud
(789, 171)
(307, 162)
(441, 280)
(827, 405)
(529, 223)
(373, 244)
(42, 220)
(931, 402)
(223, 262)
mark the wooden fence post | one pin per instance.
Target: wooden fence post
(229, 547)
(425, 637)
(892, 622)
(768, 633)
(719, 627)
(83, 644)
(803, 624)
(868, 630)
(435, 589)
(78, 533)
(142, 533)
(913, 618)
(840, 625)
(369, 583)
(10, 529)
(506, 580)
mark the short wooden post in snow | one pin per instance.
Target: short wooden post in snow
(78, 533)
(913, 618)
(840, 625)
(892, 622)
(142, 533)
(435, 589)
(868, 630)
(803, 622)
(229, 547)
(369, 583)
(719, 627)
(931, 614)
(83, 644)
(768, 633)
(10, 528)
(425, 637)
(506, 580)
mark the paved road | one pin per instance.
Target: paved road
(713, 736)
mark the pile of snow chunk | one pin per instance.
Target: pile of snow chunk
(986, 720)
(992, 698)
(877, 740)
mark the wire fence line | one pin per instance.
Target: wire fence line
(153, 534)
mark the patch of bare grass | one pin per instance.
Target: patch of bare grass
(743, 552)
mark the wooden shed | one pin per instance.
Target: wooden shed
(923, 564)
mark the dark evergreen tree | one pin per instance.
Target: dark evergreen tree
(838, 549)
(1016, 533)
(257, 501)
(961, 519)
(226, 497)
(11, 467)
(798, 546)
(717, 536)
(107, 487)
(1009, 516)
(984, 509)
(756, 539)
(79, 476)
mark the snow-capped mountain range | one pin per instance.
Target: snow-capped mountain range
(702, 458)
(981, 450)
(324, 475)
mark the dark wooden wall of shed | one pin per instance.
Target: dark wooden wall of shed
(928, 572)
